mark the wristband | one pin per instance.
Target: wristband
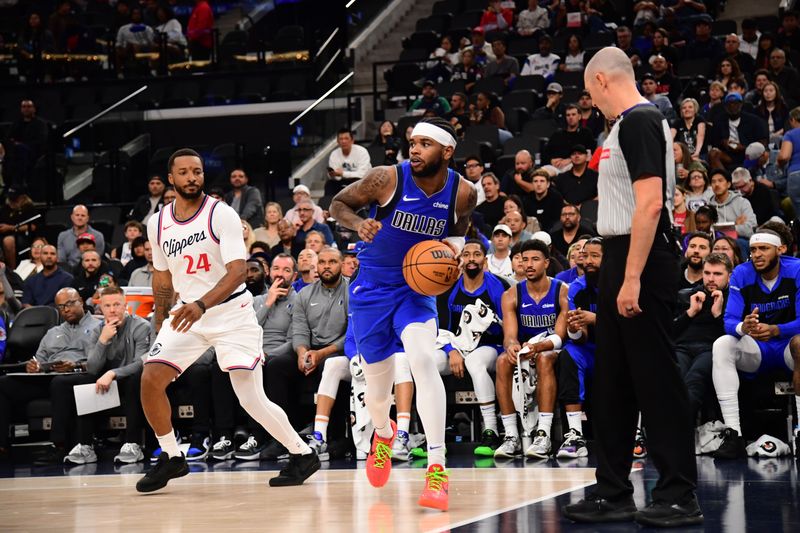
(575, 336)
(201, 305)
(555, 339)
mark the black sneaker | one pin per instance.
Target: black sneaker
(596, 509)
(165, 469)
(52, 455)
(222, 450)
(663, 514)
(250, 450)
(490, 441)
(198, 448)
(299, 469)
(732, 446)
(274, 451)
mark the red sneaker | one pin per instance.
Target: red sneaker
(437, 486)
(379, 460)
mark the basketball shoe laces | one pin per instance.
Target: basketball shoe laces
(436, 478)
(383, 453)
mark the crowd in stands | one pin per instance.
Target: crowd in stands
(736, 132)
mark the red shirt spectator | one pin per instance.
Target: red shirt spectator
(497, 18)
(201, 24)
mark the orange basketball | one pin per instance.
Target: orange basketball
(430, 268)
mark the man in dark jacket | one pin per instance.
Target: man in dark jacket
(764, 205)
(700, 323)
(728, 149)
(152, 202)
(245, 200)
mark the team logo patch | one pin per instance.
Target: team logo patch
(2, 334)
(155, 350)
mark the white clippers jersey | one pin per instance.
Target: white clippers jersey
(196, 250)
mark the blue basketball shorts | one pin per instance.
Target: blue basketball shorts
(379, 313)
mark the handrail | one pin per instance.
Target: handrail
(104, 112)
(320, 99)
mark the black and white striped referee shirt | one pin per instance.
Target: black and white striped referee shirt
(639, 145)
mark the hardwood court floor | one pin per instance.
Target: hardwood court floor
(331, 501)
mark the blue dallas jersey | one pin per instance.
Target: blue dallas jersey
(534, 318)
(410, 217)
(585, 297)
(775, 307)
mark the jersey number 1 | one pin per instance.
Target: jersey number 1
(202, 264)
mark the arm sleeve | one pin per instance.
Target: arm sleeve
(790, 329)
(141, 345)
(734, 307)
(228, 228)
(301, 333)
(641, 138)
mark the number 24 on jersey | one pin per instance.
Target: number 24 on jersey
(201, 263)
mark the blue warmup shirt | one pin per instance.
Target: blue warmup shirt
(534, 318)
(775, 307)
(455, 299)
(568, 276)
(585, 297)
(409, 218)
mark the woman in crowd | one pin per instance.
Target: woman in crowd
(573, 59)
(753, 96)
(442, 61)
(468, 71)
(789, 157)
(773, 109)
(486, 110)
(727, 70)
(766, 44)
(698, 188)
(690, 128)
(684, 218)
(683, 159)
(726, 245)
(33, 265)
(171, 28)
(247, 233)
(269, 232)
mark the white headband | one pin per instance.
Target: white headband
(765, 238)
(436, 133)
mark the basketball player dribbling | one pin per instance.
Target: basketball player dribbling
(199, 256)
(417, 200)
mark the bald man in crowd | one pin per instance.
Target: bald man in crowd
(68, 251)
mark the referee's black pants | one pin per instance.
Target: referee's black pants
(635, 369)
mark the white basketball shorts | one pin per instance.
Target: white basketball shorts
(231, 328)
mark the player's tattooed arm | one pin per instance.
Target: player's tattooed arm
(377, 186)
(163, 296)
(465, 205)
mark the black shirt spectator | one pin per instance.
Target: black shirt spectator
(746, 62)
(559, 147)
(492, 208)
(150, 203)
(579, 184)
(758, 194)
(571, 228)
(518, 179)
(24, 144)
(545, 202)
(750, 129)
(785, 76)
(704, 45)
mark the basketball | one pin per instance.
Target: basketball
(430, 268)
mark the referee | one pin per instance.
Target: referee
(635, 366)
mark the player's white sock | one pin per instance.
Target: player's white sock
(726, 380)
(403, 421)
(419, 341)
(378, 398)
(249, 388)
(545, 422)
(436, 454)
(510, 424)
(489, 415)
(169, 444)
(321, 425)
(574, 421)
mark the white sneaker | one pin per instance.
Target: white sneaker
(130, 453)
(81, 454)
(574, 446)
(316, 443)
(541, 447)
(400, 449)
(511, 448)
